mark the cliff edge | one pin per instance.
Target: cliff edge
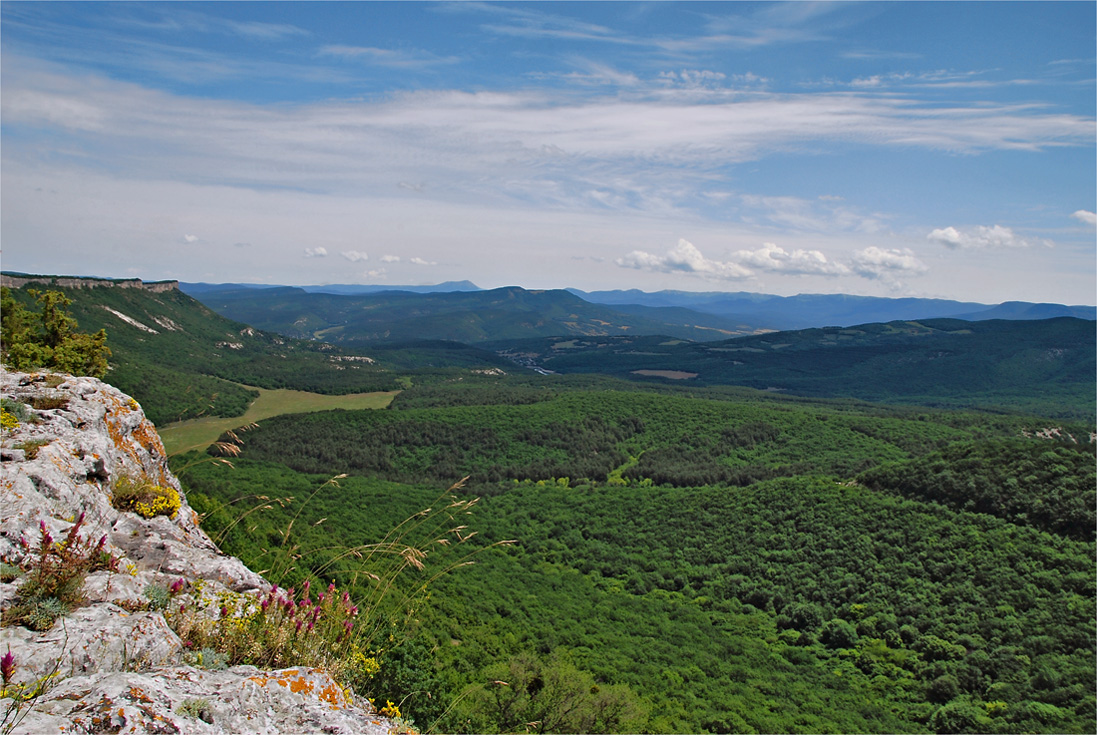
(113, 664)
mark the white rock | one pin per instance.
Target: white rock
(107, 669)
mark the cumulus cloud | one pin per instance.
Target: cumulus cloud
(773, 258)
(983, 237)
(190, 238)
(316, 252)
(684, 258)
(354, 255)
(1088, 218)
(874, 262)
(390, 258)
(420, 261)
(377, 273)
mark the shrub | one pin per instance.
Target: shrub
(8, 420)
(19, 410)
(278, 629)
(54, 584)
(144, 498)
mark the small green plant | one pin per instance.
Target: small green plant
(206, 658)
(144, 498)
(9, 572)
(54, 584)
(198, 708)
(43, 612)
(158, 596)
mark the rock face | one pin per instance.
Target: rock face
(114, 664)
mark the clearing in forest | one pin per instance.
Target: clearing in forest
(183, 436)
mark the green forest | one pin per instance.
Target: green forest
(873, 529)
(714, 560)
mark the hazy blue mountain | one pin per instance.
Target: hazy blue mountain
(802, 311)
(1027, 310)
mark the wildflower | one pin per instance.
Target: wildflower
(224, 611)
(348, 624)
(297, 628)
(177, 585)
(7, 666)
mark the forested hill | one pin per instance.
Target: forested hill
(470, 316)
(182, 360)
(1044, 366)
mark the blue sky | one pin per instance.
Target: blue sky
(894, 149)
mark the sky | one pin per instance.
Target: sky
(928, 149)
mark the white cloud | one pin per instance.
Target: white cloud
(775, 259)
(981, 237)
(377, 273)
(874, 262)
(316, 252)
(1087, 217)
(420, 261)
(354, 255)
(390, 258)
(684, 258)
(190, 238)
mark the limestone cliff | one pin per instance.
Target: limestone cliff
(113, 664)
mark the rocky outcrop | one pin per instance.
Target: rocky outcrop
(12, 280)
(114, 664)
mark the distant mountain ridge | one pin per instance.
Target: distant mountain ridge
(805, 311)
(463, 316)
(334, 288)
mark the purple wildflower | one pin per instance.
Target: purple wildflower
(7, 666)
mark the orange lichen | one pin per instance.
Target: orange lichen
(305, 683)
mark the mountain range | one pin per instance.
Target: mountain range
(692, 315)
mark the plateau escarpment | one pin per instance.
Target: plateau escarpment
(113, 663)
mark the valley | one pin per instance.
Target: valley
(881, 527)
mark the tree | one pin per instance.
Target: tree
(552, 695)
(48, 338)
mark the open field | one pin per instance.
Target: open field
(183, 436)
